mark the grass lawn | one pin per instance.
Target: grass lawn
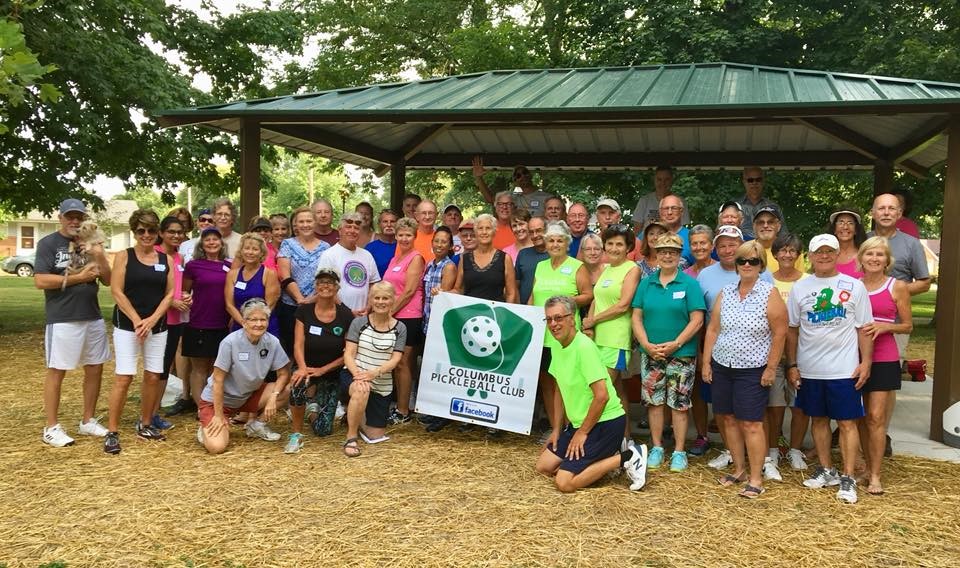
(924, 304)
(21, 305)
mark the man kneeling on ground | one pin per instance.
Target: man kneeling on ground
(589, 447)
(236, 385)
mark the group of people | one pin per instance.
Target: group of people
(300, 315)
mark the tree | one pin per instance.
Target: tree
(20, 70)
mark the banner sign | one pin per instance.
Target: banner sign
(481, 362)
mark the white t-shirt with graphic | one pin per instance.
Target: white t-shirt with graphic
(828, 312)
(357, 270)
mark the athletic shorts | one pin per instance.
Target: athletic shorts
(836, 399)
(614, 358)
(668, 381)
(739, 392)
(378, 405)
(884, 376)
(170, 353)
(205, 409)
(69, 345)
(202, 342)
(602, 442)
(128, 347)
(414, 331)
(781, 393)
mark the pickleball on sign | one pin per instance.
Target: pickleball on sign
(481, 362)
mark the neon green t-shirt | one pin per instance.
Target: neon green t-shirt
(549, 282)
(576, 367)
(616, 333)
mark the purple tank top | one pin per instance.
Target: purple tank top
(884, 310)
(243, 290)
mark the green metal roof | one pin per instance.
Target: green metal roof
(606, 112)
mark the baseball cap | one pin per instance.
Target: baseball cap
(728, 231)
(209, 231)
(767, 209)
(327, 273)
(609, 203)
(669, 240)
(854, 214)
(726, 204)
(824, 240)
(261, 223)
(452, 206)
(466, 224)
(68, 205)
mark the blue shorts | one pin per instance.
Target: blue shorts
(739, 392)
(706, 391)
(602, 442)
(833, 398)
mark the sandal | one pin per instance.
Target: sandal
(350, 448)
(751, 492)
(731, 480)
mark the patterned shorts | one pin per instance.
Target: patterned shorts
(669, 381)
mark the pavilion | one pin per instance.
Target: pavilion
(705, 116)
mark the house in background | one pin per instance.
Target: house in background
(24, 233)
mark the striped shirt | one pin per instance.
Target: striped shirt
(375, 348)
(431, 279)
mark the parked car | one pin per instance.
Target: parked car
(21, 265)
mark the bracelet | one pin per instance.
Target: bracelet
(286, 282)
(63, 285)
(791, 365)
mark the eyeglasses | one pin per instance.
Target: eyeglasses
(505, 204)
(145, 231)
(846, 223)
(751, 261)
(326, 283)
(204, 219)
(672, 208)
(753, 180)
(174, 232)
(763, 222)
(668, 252)
(222, 214)
(556, 319)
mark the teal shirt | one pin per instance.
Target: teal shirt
(666, 310)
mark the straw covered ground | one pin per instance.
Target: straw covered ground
(443, 500)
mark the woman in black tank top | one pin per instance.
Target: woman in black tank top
(486, 272)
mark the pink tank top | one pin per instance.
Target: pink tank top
(885, 311)
(397, 275)
(175, 316)
(850, 269)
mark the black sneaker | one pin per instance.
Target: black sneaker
(111, 444)
(149, 433)
(437, 425)
(182, 406)
(396, 418)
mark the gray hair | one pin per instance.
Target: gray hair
(569, 305)
(254, 305)
(702, 229)
(354, 216)
(224, 202)
(591, 237)
(558, 228)
(407, 224)
(501, 194)
(485, 217)
(319, 201)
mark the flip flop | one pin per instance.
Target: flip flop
(370, 440)
(751, 492)
(351, 448)
(730, 480)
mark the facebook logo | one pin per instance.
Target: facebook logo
(474, 410)
(456, 406)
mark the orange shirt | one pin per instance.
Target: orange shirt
(503, 237)
(423, 243)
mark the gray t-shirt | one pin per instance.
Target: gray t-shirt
(909, 260)
(76, 303)
(534, 202)
(246, 365)
(648, 209)
(375, 347)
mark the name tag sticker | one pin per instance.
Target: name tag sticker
(535, 204)
(845, 285)
(396, 269)
(316, 330)
(680, 295)
(243, 356)
(240, 285)
(566, 270)
(751, 307)
(179, 268)
(606, 283)
(225, 268)
(159, 267)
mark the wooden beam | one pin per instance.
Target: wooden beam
(946, 384)
(249, 171)
(920, 139)
(314, 135)
(832, 159)
(422, 138)
(882, 177)
(398, 186)
(856, 141)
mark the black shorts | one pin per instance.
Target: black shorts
(739, 392)
(170, 353)
(602, 442)
(546, 357)
(202, 342)
(414, 331)
(378, 406)
(884, 376)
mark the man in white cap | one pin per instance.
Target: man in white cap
(75, 333)
(648, 206)
(829, 359)
(608, 213)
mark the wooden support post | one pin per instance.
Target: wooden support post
(249, 171)
(882, 177)
(946, 381)
(398, 186)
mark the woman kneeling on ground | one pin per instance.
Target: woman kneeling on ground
(374, 348)
(237, 383)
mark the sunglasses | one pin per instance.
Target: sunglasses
(205, 219)
(751, 261)
(144, 231)
(754, 180)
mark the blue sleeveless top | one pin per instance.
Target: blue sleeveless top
(253, 288)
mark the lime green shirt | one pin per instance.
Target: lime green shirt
(616, 333)
(549, 282)
(576, 367)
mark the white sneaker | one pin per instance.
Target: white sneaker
(848, 490)
(636, 467)
(257, 429)
(92, 427)
(200, 434)
(822, 477)
(56, 437)
(796, 459)
(724, 460)
(770, 470)
(341, 412)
